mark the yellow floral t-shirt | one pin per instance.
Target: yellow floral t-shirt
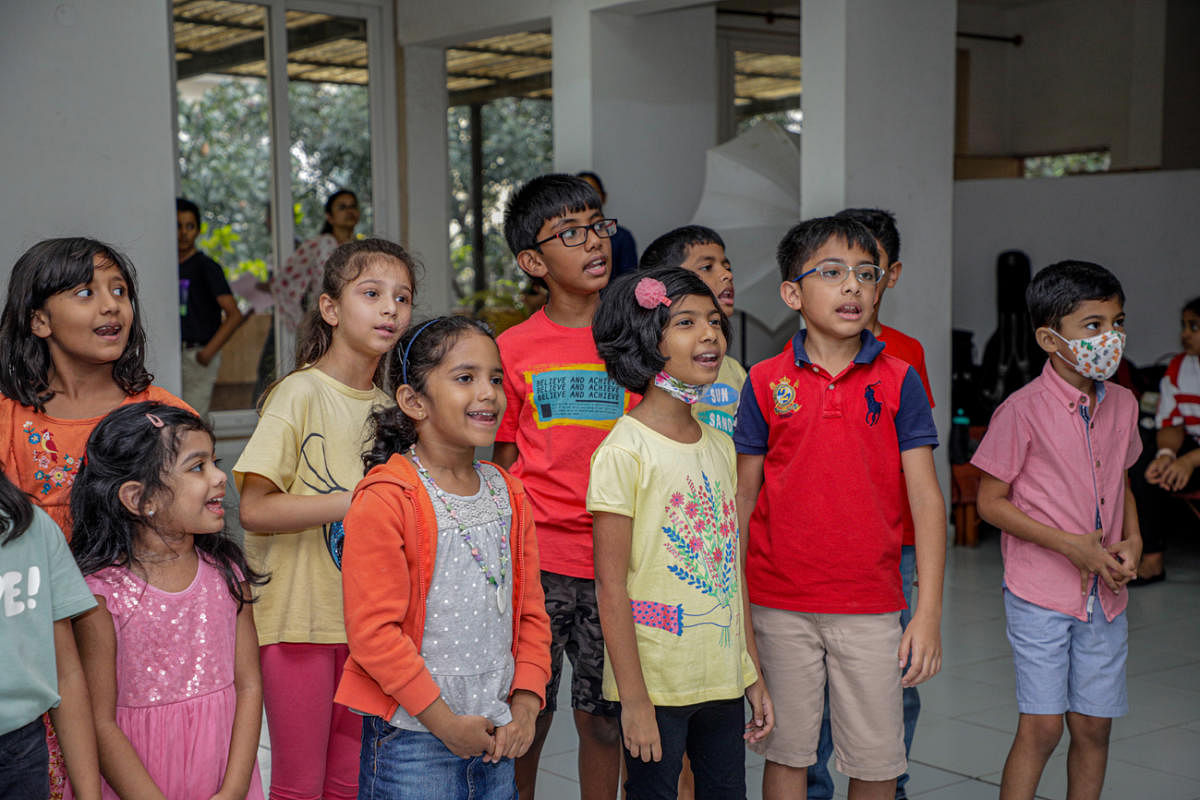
(309, 441)
(685, 578)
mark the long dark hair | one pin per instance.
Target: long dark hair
(329, 201)
(47, 268)
(342, 267)
(128, 446)
(418, 353)
(15, 510)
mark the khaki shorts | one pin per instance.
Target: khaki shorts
(858, 653)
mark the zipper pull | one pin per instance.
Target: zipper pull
(1091, 603)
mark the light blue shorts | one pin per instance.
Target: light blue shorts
(1064, 664)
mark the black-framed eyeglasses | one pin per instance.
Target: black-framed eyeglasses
(836, 272)
(578, 234)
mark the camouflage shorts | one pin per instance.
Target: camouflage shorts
(575, 628)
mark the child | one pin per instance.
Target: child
(560, 406)
(882, 225)
(1174, 466)
(74, 349)
(39, 665)
(170, 651)
(824, 430)
(701, 250)
(295, 477)
(668, 554)
(1054, 459)
(449, 638)
(207, 309)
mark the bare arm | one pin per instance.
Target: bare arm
(233, 318)
(119, 762)
(73, 717)
(266, 508)
(1084, 550)
(612, 538)
(922, 640)
(505, 454)
(247, 715)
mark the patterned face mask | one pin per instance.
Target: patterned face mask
(1096, 357)
(689, 393)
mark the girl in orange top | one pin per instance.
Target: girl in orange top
(74, 349)
(445, 617)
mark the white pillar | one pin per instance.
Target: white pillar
(879, 132)
(425, 179)
(635, 99)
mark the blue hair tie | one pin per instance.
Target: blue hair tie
(408, 347)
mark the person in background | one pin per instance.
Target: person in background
(296, 286)
(624, 248)
(208, 312)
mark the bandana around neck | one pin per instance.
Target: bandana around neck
(689, 393)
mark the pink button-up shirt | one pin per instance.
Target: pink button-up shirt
(1065, 463)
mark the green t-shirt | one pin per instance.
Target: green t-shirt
(39, 584)
(685, 578)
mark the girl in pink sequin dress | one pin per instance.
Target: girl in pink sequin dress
(170, 652)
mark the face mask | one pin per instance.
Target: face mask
(1096, 357)
(686, 392)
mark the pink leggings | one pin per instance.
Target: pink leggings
(315, 742)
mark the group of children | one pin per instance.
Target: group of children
(691, 537)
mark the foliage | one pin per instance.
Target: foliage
(225, 162)
(791, 120)
(1067, 164)
(517, 145)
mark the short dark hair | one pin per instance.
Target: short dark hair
(1057, 290)
(671, 249)
(182, 204)
(542, 199)
(803, 241)
(1192, 305)
(627, 335)
(882, 224)
(588, 175)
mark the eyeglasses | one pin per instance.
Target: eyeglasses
(578, 234)
(835, 272)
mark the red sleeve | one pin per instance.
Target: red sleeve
(376, 589)
(532, 669)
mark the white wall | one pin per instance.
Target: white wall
(86, 143)
(1142, 226)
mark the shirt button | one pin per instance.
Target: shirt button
(1101, 501)
(831, 387)
(816, 370)
(1097, 462)
(1071, 406)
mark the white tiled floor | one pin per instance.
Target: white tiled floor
(969, 713)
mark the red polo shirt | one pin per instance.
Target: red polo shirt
(825, 533)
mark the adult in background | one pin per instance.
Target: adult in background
(296, 286)
(624, 248)
(207, 309)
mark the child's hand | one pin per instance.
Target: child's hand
(1090, 558)
(640, 728)
(513, 739)
(1156, 468)
(467, 736)
(1177, 474)
(1129, 553)
(763, 720)
(920, 649)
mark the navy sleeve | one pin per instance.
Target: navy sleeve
(914, 419)
(750, 431)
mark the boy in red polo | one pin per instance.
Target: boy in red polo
(1055, 457)
(824, 431)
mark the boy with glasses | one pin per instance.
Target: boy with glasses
(561, 405)
(832, 435)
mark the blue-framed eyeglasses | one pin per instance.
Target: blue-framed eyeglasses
(578, 234)
(835, 272)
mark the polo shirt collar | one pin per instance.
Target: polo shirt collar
(871, 347)
(1064, 393)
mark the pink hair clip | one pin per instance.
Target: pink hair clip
(651, 292)
(154, 420)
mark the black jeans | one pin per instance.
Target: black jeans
(25, 763)
(711, 734)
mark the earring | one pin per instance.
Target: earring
(150, 513)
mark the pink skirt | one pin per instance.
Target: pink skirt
(185, 745)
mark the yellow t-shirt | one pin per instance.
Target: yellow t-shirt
(684, 579)
(718, 407)
(309, 441)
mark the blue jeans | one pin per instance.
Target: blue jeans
(397, 765)
(25, 763)
(711, 734)
(820, 782)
